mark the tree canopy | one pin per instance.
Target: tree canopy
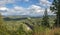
(56, 8)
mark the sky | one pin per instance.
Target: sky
(25, 7)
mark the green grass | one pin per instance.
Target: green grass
(20, 28)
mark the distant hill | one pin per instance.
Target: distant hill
(21, 17)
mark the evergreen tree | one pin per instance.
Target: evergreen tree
(56, 8)
(45, 19)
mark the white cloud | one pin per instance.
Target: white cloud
(45, 3)
(35, 9)
(17, 10)
(3, 8)
(4, 2)
(26, 0)
(31, 10)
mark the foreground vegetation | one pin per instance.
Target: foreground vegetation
(29, 26)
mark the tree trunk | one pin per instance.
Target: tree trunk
(57, 23)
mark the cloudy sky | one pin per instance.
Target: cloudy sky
(24, 7)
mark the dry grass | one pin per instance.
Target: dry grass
(55, 31)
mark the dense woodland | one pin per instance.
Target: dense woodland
(46, 25)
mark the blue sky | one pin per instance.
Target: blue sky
(24, 7)
(24, 3)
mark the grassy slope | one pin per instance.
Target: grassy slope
(19, 28)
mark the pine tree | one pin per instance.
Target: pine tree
(45, 21)
(56, 8)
